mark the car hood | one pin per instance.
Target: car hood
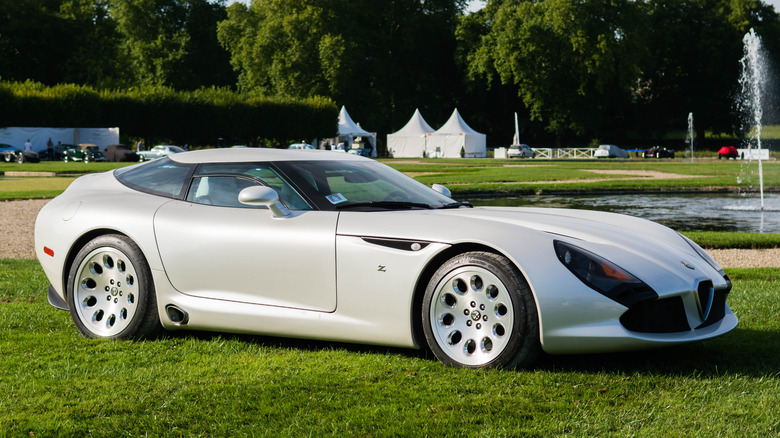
(635, 244)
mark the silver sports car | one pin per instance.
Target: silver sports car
(322, 245)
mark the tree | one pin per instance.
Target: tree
(172, 42)
(573, 62)
(694, 62)
(382, 59)
(55, 41)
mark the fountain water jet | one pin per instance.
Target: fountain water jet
(690, 133)
(749, 104)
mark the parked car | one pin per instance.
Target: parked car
(53, 153)
(728, 152)
(658, 152)
(333, 246)
(610, 151)
(520, 151)
(363, 152)
(119, 152)
(85, 152)
(12, 153)
(161, 150)
(7, 157)
(301, 146)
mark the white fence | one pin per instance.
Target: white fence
(753, 154)
(551, 153)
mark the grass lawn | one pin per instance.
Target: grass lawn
(489, 176)
(56, 383)
(511, 177)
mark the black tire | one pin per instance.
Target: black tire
(110, 290)
(479, 312)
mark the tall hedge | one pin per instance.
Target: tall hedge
(197, 117)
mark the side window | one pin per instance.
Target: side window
(160, 177)
(220, 183)
(221, 191)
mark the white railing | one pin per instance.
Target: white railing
(577, 153)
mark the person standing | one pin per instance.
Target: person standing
(140, 145)
(28, 146)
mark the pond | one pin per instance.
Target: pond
(682, 212)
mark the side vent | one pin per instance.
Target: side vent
(402, 244)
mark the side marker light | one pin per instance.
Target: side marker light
(48, 251)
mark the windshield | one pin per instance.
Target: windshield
(338, 185)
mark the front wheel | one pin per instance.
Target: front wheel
(110, 290)
(478, 312)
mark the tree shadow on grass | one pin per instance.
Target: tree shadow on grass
(310, 345)
(743, 351)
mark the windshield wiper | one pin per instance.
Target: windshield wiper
(457, 205)
(391, 205)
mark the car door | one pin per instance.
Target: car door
(213, 246)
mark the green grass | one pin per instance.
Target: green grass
(488, 176)
(515, 177)
(56, 383)
(723, 240)
(36, 187)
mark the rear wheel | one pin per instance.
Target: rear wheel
(478, 311)
(110, 290)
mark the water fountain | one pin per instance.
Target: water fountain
(749, 104)
(689, 139)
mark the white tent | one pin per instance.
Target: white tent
(17, 136)
(410, 140)
(348, 130)
(455, 136)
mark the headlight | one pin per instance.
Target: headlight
(703, 254)
(603, 276)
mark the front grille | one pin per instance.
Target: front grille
(657, 316)
(718, 308)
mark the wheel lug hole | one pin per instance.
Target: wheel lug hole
(108, 298)
(116, 300)
(484, 317)
(468, 323)
(107, 289)
(112, 282)
(466, 312)
(473, 304)
(479, 326)
(482, 307)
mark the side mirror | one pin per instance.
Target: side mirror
(263, 196)
(441, 189)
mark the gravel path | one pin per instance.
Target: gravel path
(17, 221)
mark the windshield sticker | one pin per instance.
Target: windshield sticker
(336, 198)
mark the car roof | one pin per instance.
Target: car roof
(231, 155)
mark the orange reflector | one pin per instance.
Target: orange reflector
(48, 251)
